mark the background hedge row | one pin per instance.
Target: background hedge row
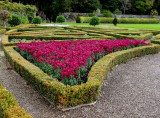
(122, 20)
(67, 96)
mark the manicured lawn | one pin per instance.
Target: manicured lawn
(139, 26)
(129, 26)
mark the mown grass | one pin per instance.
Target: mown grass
(129, 26)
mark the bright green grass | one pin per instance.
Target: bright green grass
(139, 26)
(129, 26)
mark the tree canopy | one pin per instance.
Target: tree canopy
(53, 8)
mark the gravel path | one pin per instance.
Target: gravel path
(132, 90)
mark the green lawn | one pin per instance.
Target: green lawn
(139, 26)
(129, 26)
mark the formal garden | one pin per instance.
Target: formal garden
(66, 58)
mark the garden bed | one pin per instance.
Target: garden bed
(67, 96)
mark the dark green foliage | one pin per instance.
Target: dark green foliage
(78, 20)
(94, 21)
(115, 21)
(117, 11)
(37, 20)
(60, 19)
(16, 20)
(107, 13)
(85, 6)
(24, 20)
(52, 8)
(91, 14)
(71, 16)
(18, 8)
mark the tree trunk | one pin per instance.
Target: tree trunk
(124, 10)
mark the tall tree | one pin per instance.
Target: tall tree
(125, 5)
(85, 6)
(111, 5)
(142, 6)
(156, 5)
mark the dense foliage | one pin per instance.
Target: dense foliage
(70, 61)
(19, 9)
(52, 8)
(37, 20)
(94, 21)
(115, 21)
(16, 20)
(4, 17)
(60, 19)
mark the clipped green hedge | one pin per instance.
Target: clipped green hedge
(145, 36)
(5, 42)
(9, 107)
(156, 39)
(122, 20)
(2, 31)
(67, 96)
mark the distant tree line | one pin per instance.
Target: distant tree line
(52, 8)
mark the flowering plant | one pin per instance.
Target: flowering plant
(70, 61)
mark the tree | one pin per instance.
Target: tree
(16, 20)
(4, 17)
(94, 21)
(115, 21)
(156, 5)
(110, 4)
(68, 7)
(154, 13)
(37, 20)
(60, 19)
(125, 5)
(85, 6)
(142, 6)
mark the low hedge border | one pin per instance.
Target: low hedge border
(2, 31)
(5, 41)
(122, 20)
(145, 36)
(9, 107)
(156, 39)
(68, 96)
(46, 37)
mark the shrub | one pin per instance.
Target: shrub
(94, 21)
(115, 21)
(16, 20)
(91, 14)
(107, 13)
(60, 19)
(18, 8)
(154, 13)
(71, 16)
(117, 11)
(78, 20)
(24, 20)
(37, 20)
(4, 17)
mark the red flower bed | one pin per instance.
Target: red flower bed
(70, 61)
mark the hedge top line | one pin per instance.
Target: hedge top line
(122, 20)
